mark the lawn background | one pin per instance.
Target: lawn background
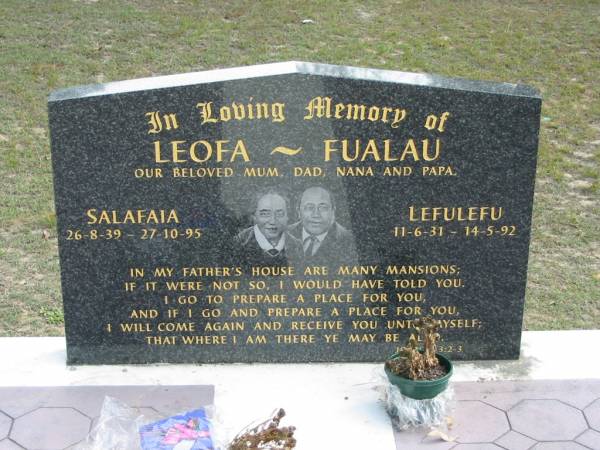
(553, 46)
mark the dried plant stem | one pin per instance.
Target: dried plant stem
(411, 362)
(266, 436)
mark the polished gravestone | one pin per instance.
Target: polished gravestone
(292, 212)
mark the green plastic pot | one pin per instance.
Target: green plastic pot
(421, 389)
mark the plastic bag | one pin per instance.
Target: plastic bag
(116, 428)
(410, 413)
(407, 412)
(121, 427)
(187, 431)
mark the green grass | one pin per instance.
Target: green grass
(554, 46)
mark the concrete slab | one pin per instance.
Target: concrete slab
(58, 417)
(515, 441)
(547, 420)
(50, 428)
(332, 405)
(517, 422)
(590, 439)
(491, 422)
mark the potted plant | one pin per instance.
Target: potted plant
(420, 373)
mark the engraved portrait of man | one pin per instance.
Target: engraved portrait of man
(323, 239)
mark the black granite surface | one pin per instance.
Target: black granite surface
(384, 221)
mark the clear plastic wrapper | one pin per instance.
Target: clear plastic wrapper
(121, 427)
(407, 413)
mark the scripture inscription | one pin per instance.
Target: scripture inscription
(310, 213)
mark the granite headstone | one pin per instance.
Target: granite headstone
(292, 212)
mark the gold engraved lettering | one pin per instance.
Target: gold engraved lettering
(381, 151)
(138, 327)
(365, 324)
(332, 298)
(401, 324)
(211, 271)
(295, 338)
(461, 323)
(294, 312)
(397, 171)
(357, 270)
(143, 314)
(134, 216)
(177, 326)
(161, 340)
(201, 151)
(312, 325)
(201, 172)
(267, 326)
(389, 337)
(243, 312)
(410, 296)
(410, 283)
(163, 272)
(354, 171)
(224, 326)
(431, 121)
(437, 171)
(155, 122)
(185, 285)
(316, 284)
(259, 298)
(206, 112)
(148, 172)
(367, 311)
(308, 172)
(316, 270)
(374, 297)
(256, 340)
(443, 310)
(240, 111)
(456, 214)
(361, 338)
(367, 284)
(272, 271)
(225, 285)
(324, 108)
(408, 311)
(261, 172)
(205, 340)
(450, 283)
(434, 269)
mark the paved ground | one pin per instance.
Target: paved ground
(513, 415)
(519, 415)
(333, 406)
(51, 418)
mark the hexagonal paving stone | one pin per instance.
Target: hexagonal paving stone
(592, 413)
(515, 441)
(5, 423)
(476, 421)
(547, 420)
(419, 439)
(559, 446)
(50, 428)
(477, 447)
(7, 444)
(590, 439)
